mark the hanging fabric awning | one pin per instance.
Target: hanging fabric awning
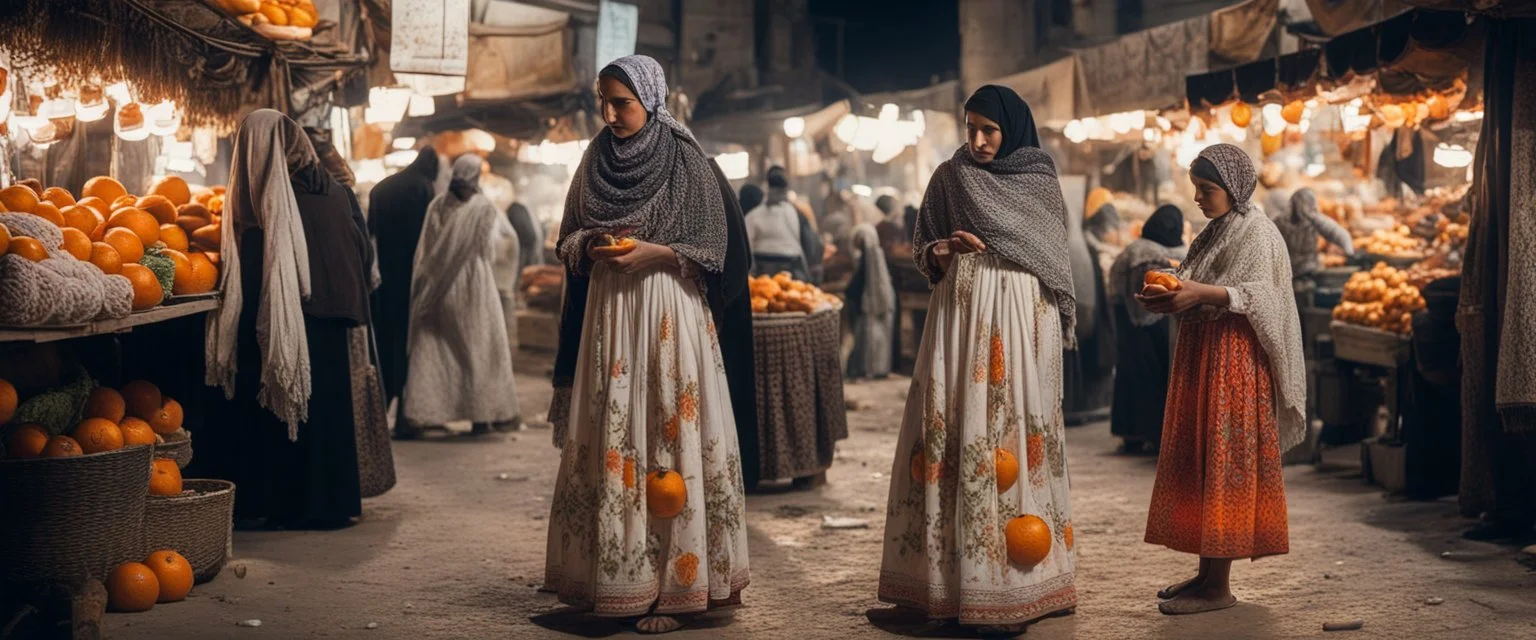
(1052, 91)
(1146, 69)
(1337, 17)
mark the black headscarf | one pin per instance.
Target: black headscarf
(778, 178)
(1003, 106)
(1204, 169)
(1165, 227)
(751, 196)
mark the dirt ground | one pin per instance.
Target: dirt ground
(456, 551)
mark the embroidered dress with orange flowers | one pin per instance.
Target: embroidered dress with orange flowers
(985, 405)
(649, 395)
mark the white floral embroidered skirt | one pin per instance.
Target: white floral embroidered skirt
(988, 378)
(649, 393)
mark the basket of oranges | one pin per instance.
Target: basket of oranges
(69, 513)
(195, 517)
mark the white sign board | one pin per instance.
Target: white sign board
(430, 37)
(617, 25)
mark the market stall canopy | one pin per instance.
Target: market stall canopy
(519, 51)
(1407, 54)
(1051, 91)
(1335, 17)
(214, 67)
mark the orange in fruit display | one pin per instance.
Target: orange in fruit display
(181, 283)
(1007, 470)
(106, 258)
(132, 587)
(8, 401)
(129, 247)
(174, 237)
(1242, 115)
(143, 399)
(159, 207)
(5, 240)
(1293, 111)
(47, 211)
(665, 493)
(173, 188)
(166, 420)
(207, 236)
(125, 202)
(174, 574)
(165, 479)
(205, 272)
(103, 187)
(28, 248)
(77, 244)
(97, 435)
(105, 403)
(61, 447)
(146, 288)
(1029, 540)
(139, 221)
(60, 197)
(97, 204)
(18, 198)
(26, 441)
(81, 217)
(189, 224)
(136, 432)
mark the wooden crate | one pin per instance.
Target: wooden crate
(1368, 346)
(538, 330)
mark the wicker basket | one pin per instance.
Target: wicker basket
(64, 517)
(176, 447)
(197, 525)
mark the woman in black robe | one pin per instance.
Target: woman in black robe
(1141, 337)
(397, 206)
(299, 471)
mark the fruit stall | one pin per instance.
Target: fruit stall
(797, 338)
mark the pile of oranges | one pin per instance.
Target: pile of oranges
(113, 229)
(1382, 298)
(784, 294)
(1395, 242)
(136, 415)
(165, 576)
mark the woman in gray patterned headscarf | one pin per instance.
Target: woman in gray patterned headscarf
(982, 441)
(653, 377)
(1236, 396)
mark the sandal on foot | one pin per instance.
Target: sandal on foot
(1184, 605)
(658, 624)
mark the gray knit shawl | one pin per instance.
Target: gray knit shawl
(1244, 252)
(1014, 204)
(656, 186)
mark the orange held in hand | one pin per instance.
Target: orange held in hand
(609, 246)
(1029, 540)
(1163, 279)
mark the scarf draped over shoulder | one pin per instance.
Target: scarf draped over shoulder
(1014, 204)
(1244, 252)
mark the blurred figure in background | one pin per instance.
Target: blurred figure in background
(1302, 225)
(774, 232)
(396, 208)
(1142, 358)
(460, 361)
(871, 307)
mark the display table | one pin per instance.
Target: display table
(1381, 458)
(158, 314)
(800, 409)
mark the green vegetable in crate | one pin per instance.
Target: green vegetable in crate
(57, 410)
(163, 267)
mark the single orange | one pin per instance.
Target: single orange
(61, 447)
(77, 244)
(167, 420)
(81, 217)
(147, 292)
(129, 247)
(182, 282)
(60, 197)
(1029, 540)
(1007, 470)
(103, 187)
(174, 574)
(8, 401)
(158, 206)
(18, 198)
(99, 205)
(174, 237)
(205, 271)
(136, 432)
(141, 222)
(47, 211)
(106, 258)
(143, 399)
(28, 248)
(165, 479)
(5, 240)
(124, 202)
(132, 587)
(26, 441)
(665, 493)
(105, 403)
(97, 435)
(174, 188)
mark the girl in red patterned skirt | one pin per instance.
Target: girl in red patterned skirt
(1236, 395)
